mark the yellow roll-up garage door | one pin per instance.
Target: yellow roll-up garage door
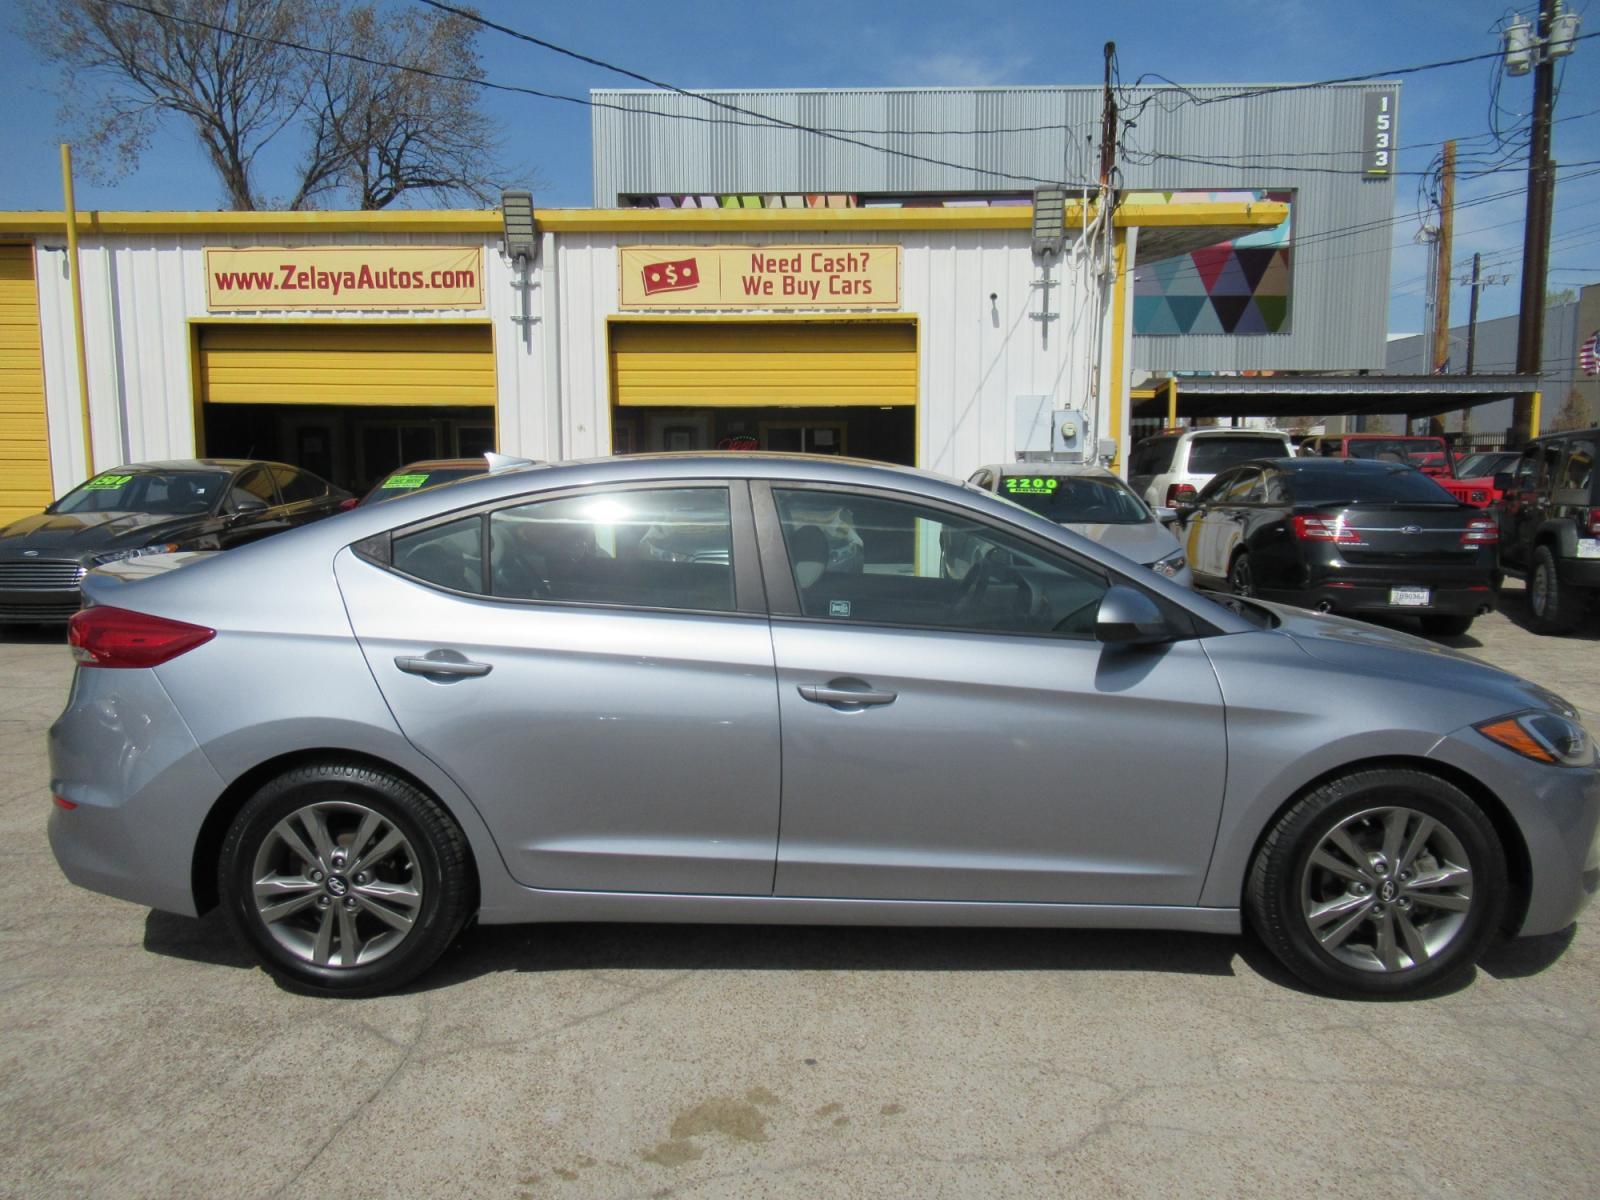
(24, 438)
(795, 364)
(379, 365)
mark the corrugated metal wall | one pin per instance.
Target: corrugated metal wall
(1339, 310)
(139, 297)
(975, 354)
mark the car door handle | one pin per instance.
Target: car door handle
(818, 694)
(447, 662)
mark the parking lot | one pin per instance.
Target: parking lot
(143, 1055)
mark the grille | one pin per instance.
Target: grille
(43, 576)
(42, 613)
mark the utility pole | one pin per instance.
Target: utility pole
(1108, 124)
(1554, 37)
(1472, 317)
(1442, 264)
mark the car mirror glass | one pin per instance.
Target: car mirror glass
(1128, 617)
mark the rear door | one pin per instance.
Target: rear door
(952, 730)
(594, 669)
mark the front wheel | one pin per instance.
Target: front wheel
(1555, 606)
(344, 880)
(1379, 883)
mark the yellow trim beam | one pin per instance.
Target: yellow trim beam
(665, 222)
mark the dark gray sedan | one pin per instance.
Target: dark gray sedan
(500, 700)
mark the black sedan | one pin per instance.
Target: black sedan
(1345, 535)
(149, 508)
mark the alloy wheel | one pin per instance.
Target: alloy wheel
(1539, 591)
(1387, 889)
(337, 884)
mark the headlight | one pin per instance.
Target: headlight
(1544, 737)
(1170, 565)
(101, 560)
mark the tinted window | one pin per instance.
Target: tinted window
(1414, 452)
(448, 555)
(254, 482)
(660, 548)
(1086, 499)
(1400, 484)
(1211, 454)
(1550, 469)
(160, 492)
(297, 486)
(865, 559)
(1245, 488)
(1527, 472)
(1219, 485)
(1152, 457)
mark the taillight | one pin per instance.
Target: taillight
(1594, 522)
(1481, 531)
(1180, 493)
(114, 637)
(1325, 529)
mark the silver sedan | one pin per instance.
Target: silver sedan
(758, 689)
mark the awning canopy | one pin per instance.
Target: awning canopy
(1329, 395)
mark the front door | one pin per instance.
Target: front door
(587, 672)
(952, 730)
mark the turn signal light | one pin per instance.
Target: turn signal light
(1510, 734)
(1325, 529)
(115, 637)
(1481, 531)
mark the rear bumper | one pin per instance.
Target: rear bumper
(1579, 572)
(1453, 599)
(141, 787)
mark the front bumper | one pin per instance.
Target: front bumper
(141, 787)
(42, 593)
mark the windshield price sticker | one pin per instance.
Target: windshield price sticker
(1031, 487)
(405, 481)
(106, 483)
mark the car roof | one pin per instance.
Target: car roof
(443, 464)
(1326, 466)
(196, 464)
(1092, 470)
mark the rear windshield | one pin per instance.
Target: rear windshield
(1399, 485)
(1076, 499)
(1209, 455)
(403, 483)
(163, 493)
(1413, 451)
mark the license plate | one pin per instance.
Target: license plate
(1589, 547)
(1410, 597)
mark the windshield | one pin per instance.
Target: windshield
(403, 482)
(1490, 463)
(1209, 455)
(161, 493)
(1076, 499)
(1399, 485)
(1415, 452)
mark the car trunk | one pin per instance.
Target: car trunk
(1400, 533)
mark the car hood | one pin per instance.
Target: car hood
(1375, 651)
(1145, 543)
(83, 533)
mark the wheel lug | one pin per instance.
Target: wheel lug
(338, 859)
(1362, 889)
(316, 877)
(324, 900)
(1404, 902)
(362, 878)
(349, 901)
(1377, 912)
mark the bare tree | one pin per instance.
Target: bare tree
(241, 72)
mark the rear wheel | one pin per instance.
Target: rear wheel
(1242, 575)
(1441, 625)
(1379, 883)
(1556, 608)
(344, 880)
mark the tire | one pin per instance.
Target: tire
(1556, 608)
(323, 924)
(1441, 625)
(1242, 575)
(1399, 936)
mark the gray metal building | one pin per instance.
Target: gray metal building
(1322, 306)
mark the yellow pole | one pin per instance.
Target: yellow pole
(74, 275)
(1533, 417)
(1172, 402)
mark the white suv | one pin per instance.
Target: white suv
(1169, 469)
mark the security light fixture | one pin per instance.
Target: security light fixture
(521, 235)
(1049, 220)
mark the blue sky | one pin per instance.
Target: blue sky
(720, 43)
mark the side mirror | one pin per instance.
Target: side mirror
(1169, 516)
(1502, 481)
(1128, 617)
(247, 504)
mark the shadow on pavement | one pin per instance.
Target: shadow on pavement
(1514, 604)
(1522, 957)
(205, 939)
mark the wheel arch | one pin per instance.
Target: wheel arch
(208, 845)
(1519, 865)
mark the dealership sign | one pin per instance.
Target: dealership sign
(727, 277)
(261, 278)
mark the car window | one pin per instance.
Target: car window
(862, 558)
(1550, 468)
(448, 555)
(254, 482)
(1152, 457)
(1211, 454)
(298, 486)
(1577, 472)
(652, 548)
(1277, 488)
(1399, 483)
(161, 492)
(1527, 472)
(1218, 485)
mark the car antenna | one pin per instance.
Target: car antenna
(506, 462)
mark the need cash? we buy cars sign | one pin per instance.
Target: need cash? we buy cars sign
(734, 277)
(259, 278)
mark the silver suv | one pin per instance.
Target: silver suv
(1169, 469)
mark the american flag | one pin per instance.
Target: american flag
(1589, 354)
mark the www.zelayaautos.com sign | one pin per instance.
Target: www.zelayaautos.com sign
(258, 278)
